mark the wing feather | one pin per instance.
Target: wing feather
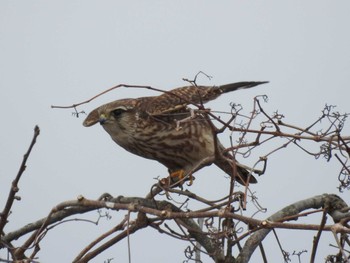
(178, 99)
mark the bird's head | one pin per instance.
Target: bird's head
(115, 115)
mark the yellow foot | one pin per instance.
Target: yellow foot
(179, 176)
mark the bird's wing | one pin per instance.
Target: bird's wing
(177, 99)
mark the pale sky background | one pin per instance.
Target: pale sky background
(63, 52)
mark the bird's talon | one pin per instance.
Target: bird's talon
(179, 176)
(191, 180)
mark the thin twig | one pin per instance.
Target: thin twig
(14, 187)
(118, 227)
(318, 236)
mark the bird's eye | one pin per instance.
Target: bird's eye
(117, 112)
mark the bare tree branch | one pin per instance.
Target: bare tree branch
(14, 187)
(333, 202)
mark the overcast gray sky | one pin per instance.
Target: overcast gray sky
(63, 52)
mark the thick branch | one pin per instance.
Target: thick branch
(332, 202)
(164, 210)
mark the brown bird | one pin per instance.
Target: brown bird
(165, 129)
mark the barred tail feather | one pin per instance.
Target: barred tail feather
(227, 165)
(240, 85)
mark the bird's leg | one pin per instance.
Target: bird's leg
(177, 175)
(180, 175)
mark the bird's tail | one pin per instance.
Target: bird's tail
(239, 85)
(229, 165)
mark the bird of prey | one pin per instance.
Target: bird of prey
(165, 129)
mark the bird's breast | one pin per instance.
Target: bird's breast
(175, 145)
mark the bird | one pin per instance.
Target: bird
(166, 129)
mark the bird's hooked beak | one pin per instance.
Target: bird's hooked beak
(102, 119)
(94, 117)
